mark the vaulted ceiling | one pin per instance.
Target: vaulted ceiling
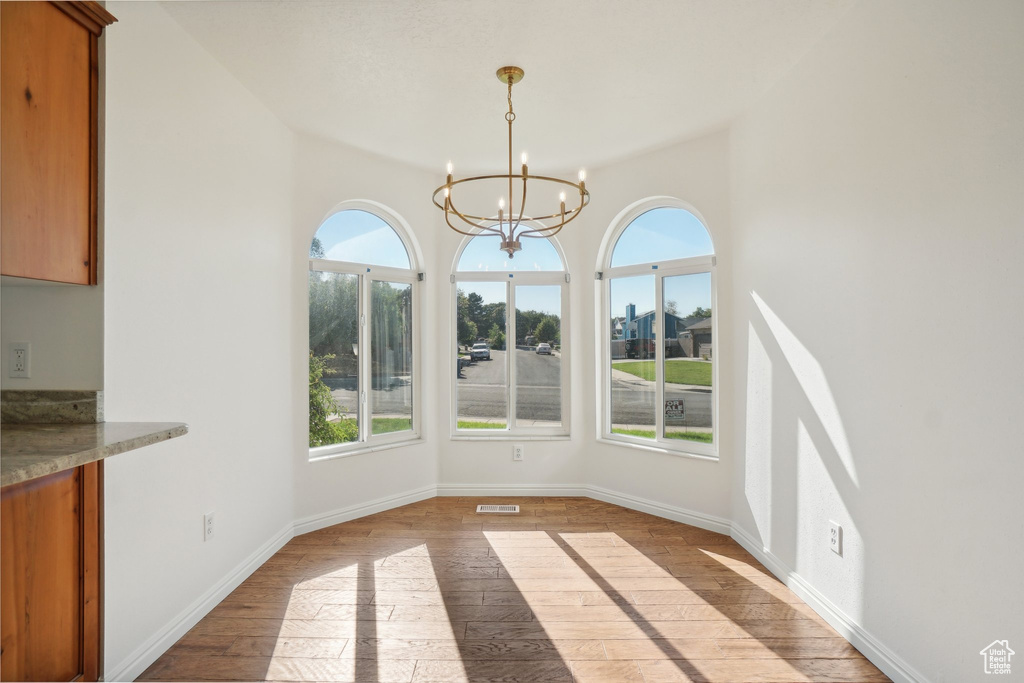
(414, 80)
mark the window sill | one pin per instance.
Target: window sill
(507, 436)
(657, 448)
(372, 448)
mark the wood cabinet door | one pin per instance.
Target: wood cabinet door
(49, 579)
(47, 178)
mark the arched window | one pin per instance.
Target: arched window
(510, 375)
(657, 273)
(363, 284)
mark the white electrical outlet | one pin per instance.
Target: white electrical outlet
(207, 526)
(517, 452)
(835, 537)
(20, 362)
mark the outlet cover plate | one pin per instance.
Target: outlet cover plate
(835, 538)
(19, 362)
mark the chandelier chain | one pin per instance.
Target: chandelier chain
(511, 115)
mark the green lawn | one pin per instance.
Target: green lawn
(385, 425)
(381, 425)
(472, 424)
(703, 437)
(676, 371)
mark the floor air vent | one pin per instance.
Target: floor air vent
(500, 509)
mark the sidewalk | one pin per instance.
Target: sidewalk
(623, 377)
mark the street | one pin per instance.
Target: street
(633, 403)
(393, 402)
(482, 393)
(482, 390)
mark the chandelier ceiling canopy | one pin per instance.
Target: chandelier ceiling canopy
(513, 225)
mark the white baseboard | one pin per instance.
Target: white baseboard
(891, 664)
(347, 514)
(509, 490)
(676, 514)
(147, 653)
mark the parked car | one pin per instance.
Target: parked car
(640, 348)
(544, 348)
(480, 351)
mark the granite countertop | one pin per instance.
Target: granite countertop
(30, 451)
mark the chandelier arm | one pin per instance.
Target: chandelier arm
(522, 207)
(466, 219)
(447, 219)
(545, 233)
(559, 215)
(552, 230)
(461, 232)
(585, 201)
(497, 176)
(480, 229)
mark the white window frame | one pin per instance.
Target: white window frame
(367, 274)
(660, 270)
(512, 279)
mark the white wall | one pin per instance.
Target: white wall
(324, 175)
(198, 295)
(695, 172)
(327, 173)
(64, 324)
(875, 317)
(482, 467)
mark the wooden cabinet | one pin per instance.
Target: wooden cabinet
(50, 585)
(48, 150)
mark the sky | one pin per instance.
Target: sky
(656, 236)
(661, 235)
(361, 237)
(483, 253)
(543, 298)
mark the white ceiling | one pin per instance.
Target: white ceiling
(414, 80)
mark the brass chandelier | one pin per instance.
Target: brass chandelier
(513, 226)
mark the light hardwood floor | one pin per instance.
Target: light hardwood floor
(571, 589)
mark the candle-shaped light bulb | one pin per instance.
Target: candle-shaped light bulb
(524, 158)
(449, 168)
(583, 175)
(561, 197)
(501, 204)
